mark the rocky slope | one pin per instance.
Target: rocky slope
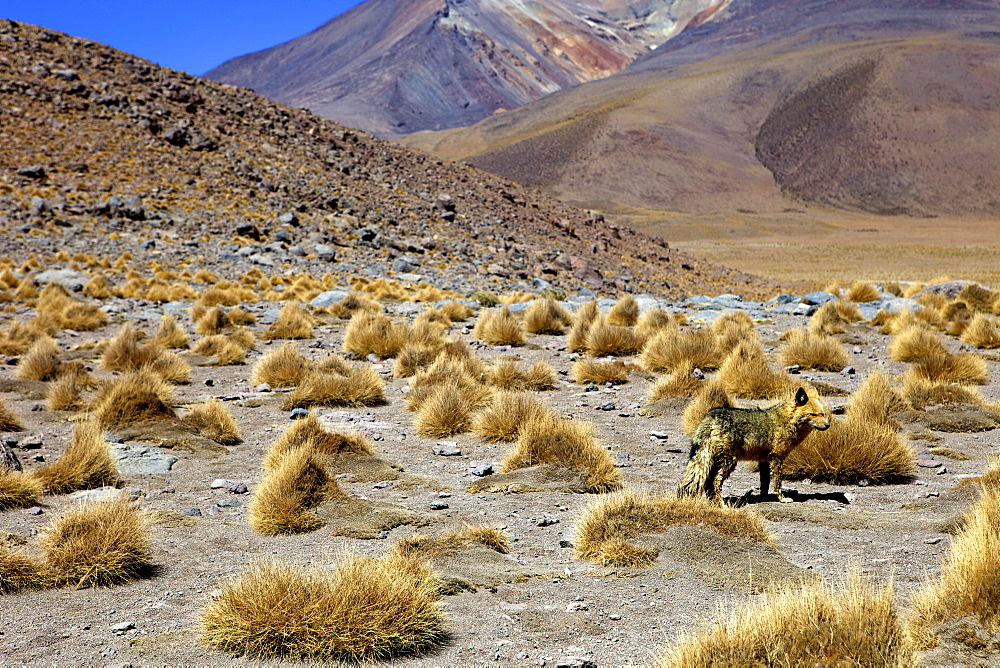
(879, 107)
(391, 67)
(99, 141)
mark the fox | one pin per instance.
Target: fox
(765, 435)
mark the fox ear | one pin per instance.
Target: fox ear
(801, 398)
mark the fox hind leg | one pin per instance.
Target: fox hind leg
(765, 478)
(722, 468)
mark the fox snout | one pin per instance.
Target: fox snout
(821, 427)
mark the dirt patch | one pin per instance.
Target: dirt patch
(29, 390)
(958, 419)
(667, 406)
(478, 566)
(363, 468)
(542, 478)
(172, 435)
(805, 512)
(367, 520)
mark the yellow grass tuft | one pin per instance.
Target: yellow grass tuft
(366, 610)
(213, 321)
(19, 572)
(499, 327)
(545, 316)
(833, 317)
(653, 321)
(506, 373)
(309, 433)
(813, 351)
(584, 317)
(18, 490)
(680, 383)
(215, 422)
(501, 421)
(293, 322)
(41, 362)
(239, 317)
(977, 298)
(282, 503)
(609, 522)
(817, 625)
(446, 411)
(712, 395)
(351, 304)
(863, 292)
(969, 584)
(982, 332)
(625, 313)
(606, 340)
(9, 421)
(134, 397)
(413, 358)
(225, 350)
(914, 344)
(587, 370)
(570, 444)
(671, 349)
(920, 393)
(455, 311)
(426, 547)
(98, 545)
(65, 394)
(281, 367)
(369, 332)
(466, 372)
(170, 334)
(361, 387)
(86, 463)
(961, 368)
(747, 374)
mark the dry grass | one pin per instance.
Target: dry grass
(283, 501)
(977, 298)
(747, 374)
(170, 334)
(982, 332)
(654, 321)
(969, 584)
(213, 321)
(833, 317)
(507, 374)
(413, 358)
(464, 372)
(214, 421)
(428, 547)
(361, 387)
(309, 433)
(501, 421)
(351, 304)
(863, 292)
(570, 444)
(961, 368)
(545, 316)
(366, 610)
(125, 352)
(609, 522)
(593, 371)
(373, 333)
(9, 420)
(606, 340)
(732, 328)
(19, 490)
(455, 311)
(914, 344)
(625, 312)
(669, 350)
(813, 351)
(920, 393)
(65, 394)
(447, 411)
(86, 463)
(239, 317)
(817, 625)
(281, 367)
(19, 337)
(134, 397)
(98, 545)
(680, 383)
(584, 317)
(41, 362)
(712, 395)
(225, 350)
(293, 322)
(499, 327)
(19, 572)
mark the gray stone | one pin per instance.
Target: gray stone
(98, 495)
(325, 252)
(70, 279)
(328, 298)
(238, 488)
(288, 218)
(122, 627)
(192, 512)
(577, 606)
(113, 438)
(483, 470)
(818, 298)
(659, 435)
(228, 503)
(547, 520)
(8, 459)
(804, 309)
(447, 449)
(298, 414)
(221, 483)
(439, 505)
(607, 406)
(575, 662)
(142, 459)
(405, 264)
(410, 277)
(622, 460)
(261, 260)
(263, 387)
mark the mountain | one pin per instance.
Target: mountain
(880, 107)
(105, 152)
(393, 67)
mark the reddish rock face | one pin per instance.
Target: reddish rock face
(392, 67)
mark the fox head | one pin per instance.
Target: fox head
(811, 409)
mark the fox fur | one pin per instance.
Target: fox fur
(765, 435)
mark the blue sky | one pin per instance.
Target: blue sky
(189, 35)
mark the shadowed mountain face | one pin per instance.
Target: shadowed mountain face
(889, 107)
(393, 67)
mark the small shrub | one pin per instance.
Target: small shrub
(426, 547)
(373, 333)
(982, 332)
(456, 311)
(607, 340)
(546, 317)
(915, 343)
(625, 313)
(293, 322)
(502, 419)
(585, 316)
(961, 368)
(41, 362)
(19, 572)
(281, 367)
(170, 334)
(309, 433)
(445, 412)
(507, 374)
(920, 393)
(9, 421)
(670, 349)
(863, 292)
(223, 348)
(499, 327)
(215, 422)
(654, 321)
(586, 370)
(747, 374)
(977, 298)
(812, 351)
(361, 387)
(680, 383)
(134, 397)
(86, 463)
(18, 490)
(65, 394)
(283, 501)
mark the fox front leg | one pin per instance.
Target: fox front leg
(765, 478)
(776, 466)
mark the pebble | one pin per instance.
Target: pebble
(659, 435)
(547, 520)
(438, 505)
(263, 387)
(298, 414)
(575, 662)
(932, 541)
(447, 449)
(35, 510)
(607, 406)
(238, 488)
(221, 483)
(622, 460)
(577, 606)
(122, 627)
(383, 484)
(483, 470)
(192, 512)
(227, 503)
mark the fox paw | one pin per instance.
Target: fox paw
(784, 499)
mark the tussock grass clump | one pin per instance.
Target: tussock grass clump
(281, 367)
(681, 382)
(213, 321)
(369, 332)
(653, 321)
(812, 351)
(414, 357)
(914, 344)
(982, 332)
(98, 545)
(862, 292)
(215, 422)
(733, 327)
(969, 584)
(239, 317)
(41, 362)
(609, 522)
(427, 547)
(584, 317)
(961, 368)
(65, 394)
(625, 312)
(833, 317)
(466, 372)
(593, 371)
(977, 298)
(747, 374)
(499, 327)
(225, 350)
(366, 610)
(866, 445)
(502, 419)
(508, 374)
(817, 625)
(545, 316)
(293, 322)
(712, 395)
(55, 305)
(19, 337)
(670, 349)
(282, 503)
(606, 340)
(170, 334)
(309, 433)
(920, 393)
(134, 397)
(570, 444)
(361, 387)
(9, 421)
(446, 411)
(125, 351)
(351, 304)
(19, 572)
(18, 490)
(456, 311)
(86, 463)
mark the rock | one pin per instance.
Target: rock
(928, 463)
(221, 483)
(238, 488)
(575, 662)
(447, 449)
(35, 510)
(192, 512)
(659, 435)
(66, 74)
(122, 627)
(32, 172)
(261, 260)
(8, 459)
(438, 505)
(289, 218)
(607, 406)
(101, 494)
(405, 264)
(577, 606)
(804, 309)
(818, 298)
(328, 298)
(483, 470)
(622, 460)
(263, 387)
(142, 459)
(298, 414)
(113, 438)
(547, 520)
(70, 279)
(227, 503)
(325, 252)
